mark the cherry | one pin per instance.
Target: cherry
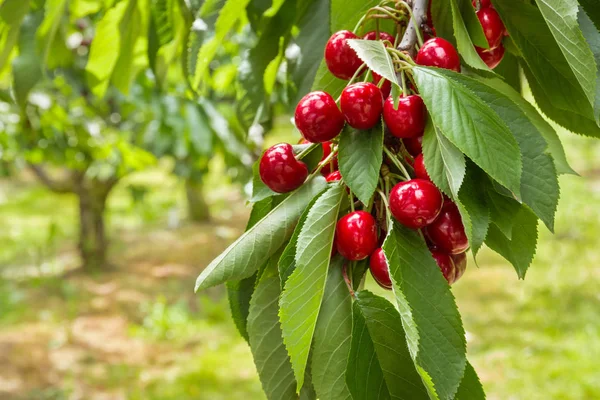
(280, 170)
(361, 105)
(386, 88)
(460, 261)
(318, 117)
(379, 269)
(420, 170)
(356, 235)
(415, 203)
(409, 119)
(444, 261)
(491, 57)
(341, 60)
(438, 52)
(447, 231)
(483, 4)
(492, 25)
(334, 176)
(414, 146)
(382, 36)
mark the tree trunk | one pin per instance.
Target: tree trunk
(197, 208)
(92, 235)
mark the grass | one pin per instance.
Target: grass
(139, 332)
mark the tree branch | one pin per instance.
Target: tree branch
(419, 13)
(58, 186)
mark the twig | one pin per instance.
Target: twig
(419, 15)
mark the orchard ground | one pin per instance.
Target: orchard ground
(139, 332)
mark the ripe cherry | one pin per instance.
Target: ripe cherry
(414, 146)
(482, 4)
(409, 119)
(438, 52)
(491, 57)
(362, 104)
(447, 231)
(379, 269)
(492, 25)
(280, 170)
(341, 59)
(356, 235)
(444, 261)
(460, 261)
(382, 36)
(334, 176)
(386, 87)
(415, 203)
(318, 118)
(420, 170)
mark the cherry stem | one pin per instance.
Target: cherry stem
(385, 202)
(396, 162)
(322, 164)
(304, 152)
(348, 281)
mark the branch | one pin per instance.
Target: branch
(419, 15)
(58, 186)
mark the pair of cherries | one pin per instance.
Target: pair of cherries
(494, 31)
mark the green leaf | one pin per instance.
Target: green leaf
(543, 55)
(374, 54)
(520, 249)
(463, 39)
(47, 32)
(360, 158)
(83, 8)
(241, 259)
(445, 164)
(502, 210)
(163, 20)
(333, 334)
(301, 299)
(271, 358)
(592, 37)
(199, 131)
(230, 14)
(472, 198)
(260, 191)
(592, 10)
(539, 183)
(358, 273)
(471, 125)
(385, 331)
(508, 69)
(26, 68)
(561, 18)
(434, 331)
(470, 386)
(472, 23)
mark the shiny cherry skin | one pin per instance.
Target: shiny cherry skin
(414, 146)
(415, 203)
(356, 235)
(492, 25)
(420, 170)
(447, 231)
(318, 118)
(280, 170)
(409, 119)
(483, 4)
(334, 176)
(380, 270)
(493, 57)
(362, 104)
(386, 87)
(444, 261)
(341, 60)
(438, 52)
(460, 261)
(382, 36)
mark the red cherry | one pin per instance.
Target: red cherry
(440, 53)
(414, 146)
(356, 235)
(447, 231)
(280, 170)
(341, 60)
(409, 119)
(492, 25)
(318, 118)
(420, 170)
(379, 269)
(460, 261)
(361, 105)
(334, 176)
(415, 203)
(382, 36)
(386, 88)
(483, 4)
(491, 57)
(444, 261)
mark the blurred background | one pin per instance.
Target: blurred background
(116, 189)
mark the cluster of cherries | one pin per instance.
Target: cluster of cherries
(494, 31)
(416, 203)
